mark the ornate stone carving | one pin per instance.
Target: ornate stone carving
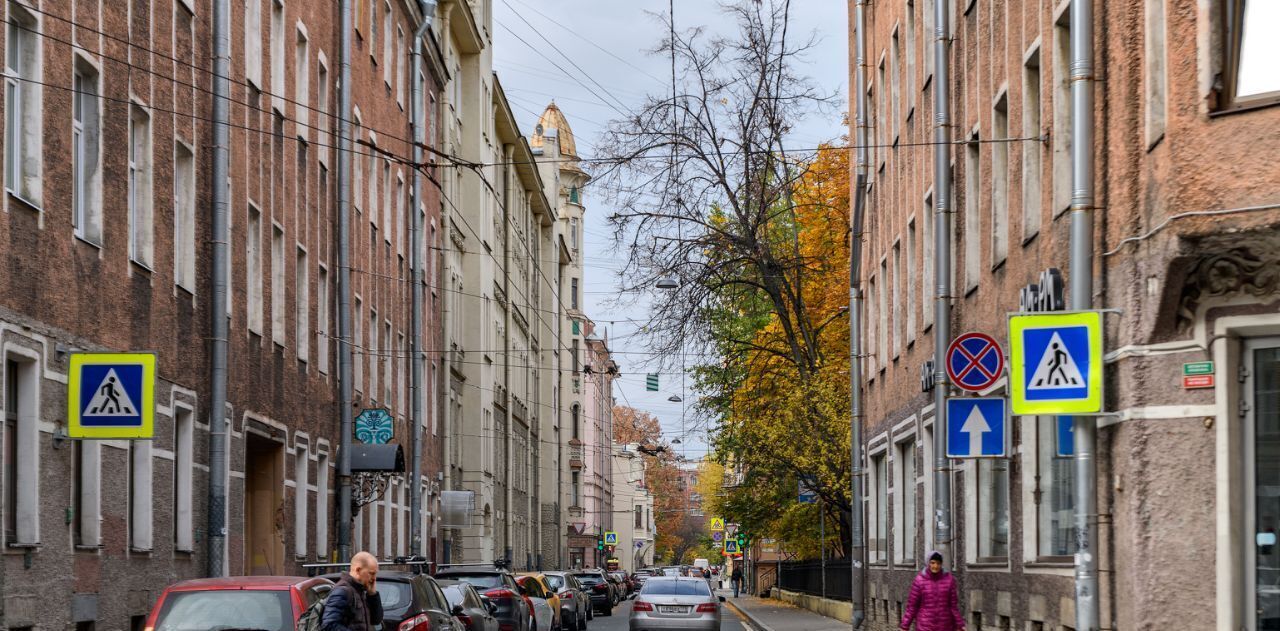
(1250, 266)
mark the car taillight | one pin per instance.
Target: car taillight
(706, 608)
(419, 622)
(566, 595)
(641, 605)
(465, 619)
(602, 587)
(506, 626)
(500, 594)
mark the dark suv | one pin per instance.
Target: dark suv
(597, 584)
(515, 612)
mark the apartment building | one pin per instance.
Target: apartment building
(1185, 243)
(633, 505)
(107, 229)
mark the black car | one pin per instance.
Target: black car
(640, 576)
(624, 582)
(411, 602)
(596, 582)
(474, 610)
(515, 612)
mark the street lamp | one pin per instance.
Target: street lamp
(675, 398)
(667, 282)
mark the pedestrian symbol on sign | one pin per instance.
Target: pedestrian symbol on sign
(110, 399)
(1056, 369)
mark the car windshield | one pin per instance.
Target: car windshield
(671, 571)
(226, 609)
(395, 595)
(481, 581)
(661, 587)
(589, 579)
(555, 582)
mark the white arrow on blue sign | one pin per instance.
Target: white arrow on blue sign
(977, 427)
(1065, 436)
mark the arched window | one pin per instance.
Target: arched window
(574, 412)
(573, 194)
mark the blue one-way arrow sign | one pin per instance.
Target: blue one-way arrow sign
(977, 427)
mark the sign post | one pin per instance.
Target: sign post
(111, 395)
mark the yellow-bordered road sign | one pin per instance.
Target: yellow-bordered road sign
(610, 538)
(717, 524)
(111, 395)
(1055, 363)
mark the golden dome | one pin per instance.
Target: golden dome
(553, 118)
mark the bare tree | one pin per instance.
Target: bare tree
(701, 182)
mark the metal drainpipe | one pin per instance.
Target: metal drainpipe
(508, 153)
(217, 527)
(858, 543)
(344, 286)
(942, 271)
(427, 8)
(1082, 206)
(446, 371)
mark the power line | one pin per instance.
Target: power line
(580, 36)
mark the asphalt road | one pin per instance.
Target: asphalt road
(729, 621)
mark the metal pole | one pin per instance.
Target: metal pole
(344, 286)
(857, 535)
(942, 271)
(822, 540)
(444, 387)
(427, 7)
(1082, 204)
(217, 526)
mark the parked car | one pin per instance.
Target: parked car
(672, 570)
(411, 602)
(515, 610)
(668, 603)
(269, 603)
(575, 602)
(546, 603)
(624, 581)
(473, 609)
(601, 590)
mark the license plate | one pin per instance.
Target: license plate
(672, 609)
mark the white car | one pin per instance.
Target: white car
(676, 603)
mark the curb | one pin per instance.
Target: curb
(748, 615)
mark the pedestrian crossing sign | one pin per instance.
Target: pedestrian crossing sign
(1055, 363)
(610, 538)
(111, 395)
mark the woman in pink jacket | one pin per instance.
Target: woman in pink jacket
(934, 602)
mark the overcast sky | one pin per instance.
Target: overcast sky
(595, 34)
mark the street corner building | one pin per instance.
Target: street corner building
(1185, 261)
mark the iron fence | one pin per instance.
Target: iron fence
(806, 577)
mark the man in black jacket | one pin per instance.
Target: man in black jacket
(354, 603)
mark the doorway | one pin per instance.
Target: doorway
(263, 506)
(1262, 474)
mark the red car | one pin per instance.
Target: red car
(269, 603)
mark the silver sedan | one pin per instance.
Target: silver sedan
(676, 603)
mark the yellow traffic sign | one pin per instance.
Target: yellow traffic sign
(1055, 363)
(717, 524)
(111, 395)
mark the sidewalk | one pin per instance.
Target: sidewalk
(773, 615)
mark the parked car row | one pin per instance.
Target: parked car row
(477, 597)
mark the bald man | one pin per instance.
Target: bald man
(354, 603)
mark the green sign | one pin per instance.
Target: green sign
(1197, 368)
(651, 382)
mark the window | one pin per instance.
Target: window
(360, 14)
(897, 299)
(184, 217)
(895, 85)
(573, 293)
(882, 111)
(357, 167)
(577, 489)
(86, 165)
(301, 477)
(322, 107)
(910, 90)
(401, 55)
(322, 506)
(357, 318)
(87, 493)
(22, 450)
(402, 347)
(926, 12)
(372, 541)
(322, 319)
(277, 55)
(573, 233)
(1000, 182)
(302, 82)
(387, 381)
(183, 466)
(278, 291)
(302, 306)
(1261, 477)
(1032, 152)
(402, 524)
(926, 467)
(400, 213)
(885, 309)
(878, 548)
(372, 350)
(929, 273)
(253, 269)
(910, 270)
(972, 263)
(141, 218)
(388, 61)
(386, 200)
(1053, 491)
(373, 180)
(23, 105)
(871, 343)
(993, 509)
(1252, 49)
(639, 517)
(1061, 138)
(576, 361)
(1155, 82)
(388, 517)
(904, 491)
(140, 495)
(253, 42)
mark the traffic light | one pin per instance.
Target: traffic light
(610, 549)
(742, 541)
(600, 544)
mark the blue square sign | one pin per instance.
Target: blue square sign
(977, 427)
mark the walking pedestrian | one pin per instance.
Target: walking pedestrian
(354, 604)
(934, 601)
(737, 579)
